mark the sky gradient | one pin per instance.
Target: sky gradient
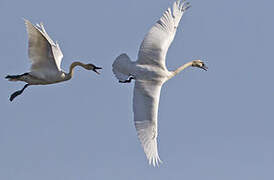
(212, 125)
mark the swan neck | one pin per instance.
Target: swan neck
(181, 68)
(72, 66)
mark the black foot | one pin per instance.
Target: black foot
(15, 76)
(127, 81)
(17, 93)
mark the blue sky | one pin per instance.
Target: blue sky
(212, 125)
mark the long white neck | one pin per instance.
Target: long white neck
(71, 69)
(178, 70)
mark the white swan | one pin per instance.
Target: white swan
(46, 57)
(150, 73)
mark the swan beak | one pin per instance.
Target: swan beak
(95, 69)
(204, 67)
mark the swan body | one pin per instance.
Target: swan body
(150, 73)
(46, 57)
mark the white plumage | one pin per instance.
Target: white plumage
(122, 66)
(150, 73)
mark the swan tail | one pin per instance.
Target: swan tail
(122, 67)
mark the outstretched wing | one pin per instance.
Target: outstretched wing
(157, 41)
(145, 107)
(57, 53)
(43, 53)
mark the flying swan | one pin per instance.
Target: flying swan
(150, 73)
(46, 57)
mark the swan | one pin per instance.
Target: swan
(46, 57)
(150, 73)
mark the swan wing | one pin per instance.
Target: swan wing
(56, 50)
(145, 107)
(42, 51)
(157, 41)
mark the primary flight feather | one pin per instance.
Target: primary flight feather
(150, 73)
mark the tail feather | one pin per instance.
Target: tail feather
(122, 67)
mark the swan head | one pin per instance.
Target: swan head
(199, 64)
(92, 67)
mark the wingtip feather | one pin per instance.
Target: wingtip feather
(155, 161)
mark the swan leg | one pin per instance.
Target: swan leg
(17, 93)
(127, 81)
(15, 77)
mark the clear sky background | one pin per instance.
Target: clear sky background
(212, 125)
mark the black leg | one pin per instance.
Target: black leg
(17, 93)
(11, 77)
(127, 81)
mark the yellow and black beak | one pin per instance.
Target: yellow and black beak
(204, 67)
